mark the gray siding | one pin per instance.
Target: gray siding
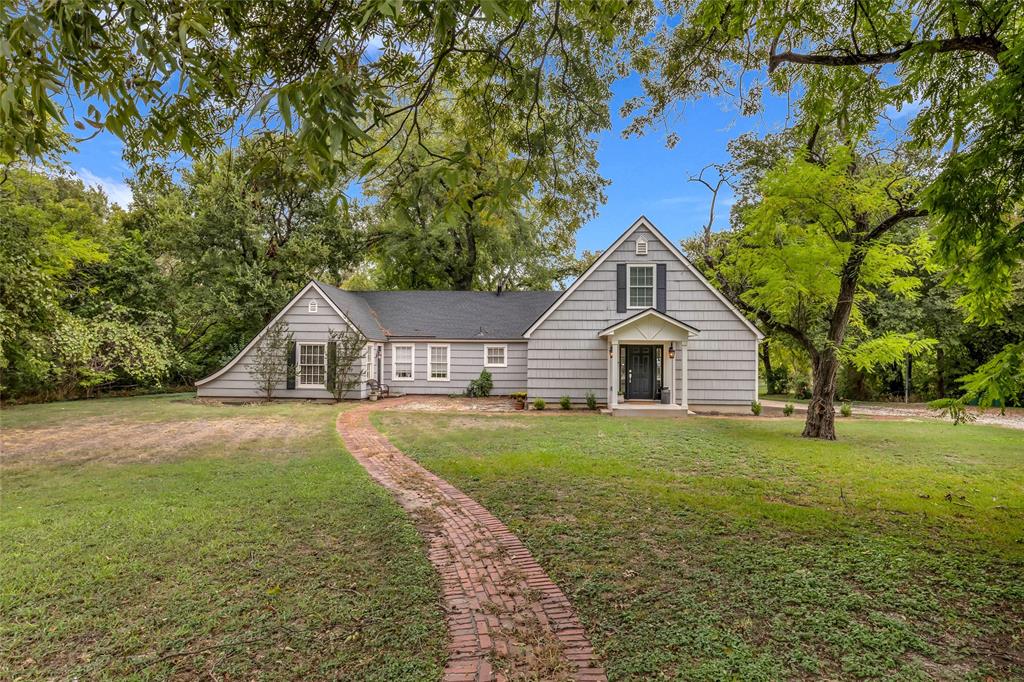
(305, 326)
(566, 356)
(466, 362)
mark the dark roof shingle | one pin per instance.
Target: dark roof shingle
(470, 315)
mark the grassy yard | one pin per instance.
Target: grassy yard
(710, 549)
(156, 537)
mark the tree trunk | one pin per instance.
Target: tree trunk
(766, 360)
(940, 377)
(821, 413)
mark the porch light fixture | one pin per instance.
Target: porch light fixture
(671, 352)
(610, 353)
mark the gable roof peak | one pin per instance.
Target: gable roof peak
(644, 221)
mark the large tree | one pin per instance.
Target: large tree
(456, 211)
(814, 236)
(955, 70)
(237, 237)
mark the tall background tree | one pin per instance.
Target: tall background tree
(454, 210)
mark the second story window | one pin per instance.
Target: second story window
(641, 286)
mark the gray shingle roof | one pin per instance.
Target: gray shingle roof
(356, 309)
(471, 315)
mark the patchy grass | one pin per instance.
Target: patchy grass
(709, 549)
(185, 540)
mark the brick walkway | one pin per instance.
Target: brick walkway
(506, 618)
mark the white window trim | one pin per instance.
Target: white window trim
(313, 306)
(504, 354)
(654, 284)
(298, 364)
(394, 362)
(448, 362)
(641, 242)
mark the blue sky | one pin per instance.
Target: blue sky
(646, 177)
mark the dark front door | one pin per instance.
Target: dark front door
(639, 372)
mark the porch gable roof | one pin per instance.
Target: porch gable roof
(643, 314)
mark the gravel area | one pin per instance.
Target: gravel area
(1014, 417)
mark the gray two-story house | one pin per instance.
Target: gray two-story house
(640, 328)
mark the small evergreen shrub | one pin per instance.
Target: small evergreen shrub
(847, 409)
(788, 410)
(481, 386)
(591, 400)
(755, 407)
(565, 402)
(539, 404)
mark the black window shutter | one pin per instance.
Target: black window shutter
(291, 365)
(332, 364)
(621, 286)
(660, 293)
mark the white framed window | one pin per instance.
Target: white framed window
(312, 369)
(313, 306)
(641, 286)
(403, 362)
(438, 362)
(495, 356)
(641, 247)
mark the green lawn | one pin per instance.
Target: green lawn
(710, 549)
(154, 537)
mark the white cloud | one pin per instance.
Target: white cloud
(906, 110)
(117, 191)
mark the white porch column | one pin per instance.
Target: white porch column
(684, 351)
(613, 397)
(671, 371)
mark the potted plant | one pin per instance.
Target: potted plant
(520, 400)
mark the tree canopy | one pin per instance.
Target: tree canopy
(345, 77)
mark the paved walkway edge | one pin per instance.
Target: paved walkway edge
(506, 618)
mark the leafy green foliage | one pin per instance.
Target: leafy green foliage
(90, 353)
(539, 404)
(239, 236)
(457, 211)
(591, 400)
(996, 382)
(889, 348)
(346, 351)
(163, 78)
(269, 362)
(846, 409)
(565, 402)
(76, 310)
(787, 409)
(755, 408)
(481, 386)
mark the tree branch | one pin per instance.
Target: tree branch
(985, 44)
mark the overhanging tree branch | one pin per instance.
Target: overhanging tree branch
(985, 44)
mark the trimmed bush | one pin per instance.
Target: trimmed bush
(788, 409)
(847, 409)
(539, 404)
(755, 407)
(481, 386)
(565, 402)
(591, 400)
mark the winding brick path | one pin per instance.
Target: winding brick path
(506, 618)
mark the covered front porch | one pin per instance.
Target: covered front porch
(647, 364)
